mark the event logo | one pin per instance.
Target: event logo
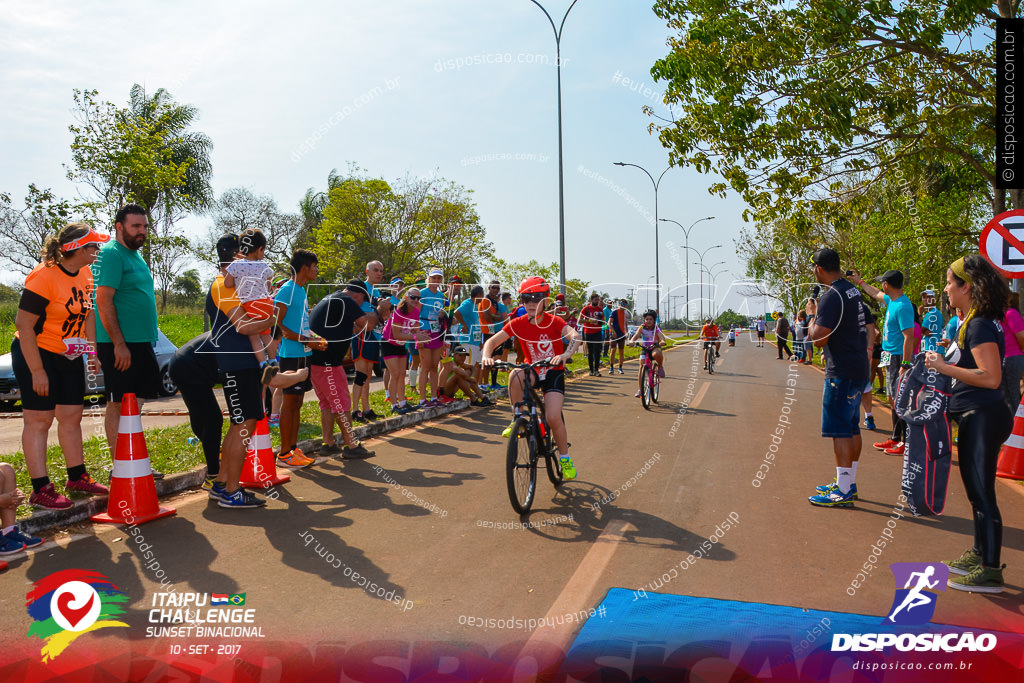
(68, 603)
(915, 603)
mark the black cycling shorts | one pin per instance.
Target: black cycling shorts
(290, 364)
(142, 377)
(553, 381)
(67, 379)
(243, 394)
(389, 350)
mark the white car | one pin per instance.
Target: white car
(164, 349)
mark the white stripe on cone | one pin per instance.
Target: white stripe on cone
(129, 424)
(1020, 411)
(260, 441)
(131, 469)
(1015, 441)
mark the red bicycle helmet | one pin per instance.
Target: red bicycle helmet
(534, 285)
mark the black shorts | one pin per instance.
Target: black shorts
(760, 334)
(67, 379)
(617, 341)
(290, 364)
(366, 349)
(553, 381)
(876, 352)
(389, 350)
(508, 345)
(243, 394)
(142, 377)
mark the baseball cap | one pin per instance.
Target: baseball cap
(227, 245)
(460, 349)
(826, 258)
(893, 277)
(434, 272)
(560, 297)
(397, 280)
(454, 278)
(356, 286)
(928, 292)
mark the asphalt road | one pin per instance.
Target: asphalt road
(455, 566)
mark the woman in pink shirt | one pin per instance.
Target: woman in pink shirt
(1013, 363)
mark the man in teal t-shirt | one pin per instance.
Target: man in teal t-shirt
(897, 340)
(292, 309)
(126, 327)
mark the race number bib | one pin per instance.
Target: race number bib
(884, 361)
(75, 347)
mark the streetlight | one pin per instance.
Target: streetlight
(561, 178)
(648, 287)
(657, 272)
(686, 232)
(701, 259)
(713, 280)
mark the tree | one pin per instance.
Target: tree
(23, 232)
(417, 224)
(782, 99)
(239, 209)
(188, 288)
(729, 318)
(510, 274)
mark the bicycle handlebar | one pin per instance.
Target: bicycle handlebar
(505, 365)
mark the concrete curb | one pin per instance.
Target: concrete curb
(44, 520)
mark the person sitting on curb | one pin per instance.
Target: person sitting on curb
(12, 541)
(460, 376)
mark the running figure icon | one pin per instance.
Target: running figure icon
(916, 597)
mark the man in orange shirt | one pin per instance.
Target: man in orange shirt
(710, 332)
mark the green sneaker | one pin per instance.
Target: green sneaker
(508, 430)
(982, 579)
(963, 566)
(568, 470)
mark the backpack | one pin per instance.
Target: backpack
(922, 400)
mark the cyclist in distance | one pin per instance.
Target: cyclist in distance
(540, 336)
(710, 333)
(647, 335)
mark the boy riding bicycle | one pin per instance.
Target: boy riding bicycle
(710, 332)
(540, 335)
(648, 335)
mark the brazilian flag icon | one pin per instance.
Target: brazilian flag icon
(236, 599)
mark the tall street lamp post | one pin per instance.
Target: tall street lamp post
(561, 176)
(686, 232)
(657, 272)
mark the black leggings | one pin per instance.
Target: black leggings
(982, 433)
(594, 342)
(206, 420)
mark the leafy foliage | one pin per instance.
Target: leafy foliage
(23, 232)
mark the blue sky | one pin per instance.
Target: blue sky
(464, 89)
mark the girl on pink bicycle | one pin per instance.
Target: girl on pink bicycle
(647, 335)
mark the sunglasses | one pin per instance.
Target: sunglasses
(531, 298)
(413, 298)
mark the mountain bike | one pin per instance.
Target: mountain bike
(529, 441)
(709, 356)
(650, 378)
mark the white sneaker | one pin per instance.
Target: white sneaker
(637, 394)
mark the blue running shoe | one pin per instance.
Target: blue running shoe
(241, 499)
(10, 546)
(216, 490)
(29, 541)
(829, 488)
(833, 499)
(869, 423)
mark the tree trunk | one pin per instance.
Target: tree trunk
(998, 199)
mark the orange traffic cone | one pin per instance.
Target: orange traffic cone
(260, 470)
(132, 489)
(1011, 457)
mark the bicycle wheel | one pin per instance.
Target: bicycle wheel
(655, 384)
(521, 466)
(645, 387)
(554, 465)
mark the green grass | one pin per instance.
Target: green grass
(181, 327)
(8, 310)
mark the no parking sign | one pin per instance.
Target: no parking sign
(1002, 243)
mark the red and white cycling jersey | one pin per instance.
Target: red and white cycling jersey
(539, 341)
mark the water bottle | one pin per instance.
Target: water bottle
(193, 441)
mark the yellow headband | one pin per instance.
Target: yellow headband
(958, 269)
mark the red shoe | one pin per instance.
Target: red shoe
(87, 485)
(883, 445)
(897, 449)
